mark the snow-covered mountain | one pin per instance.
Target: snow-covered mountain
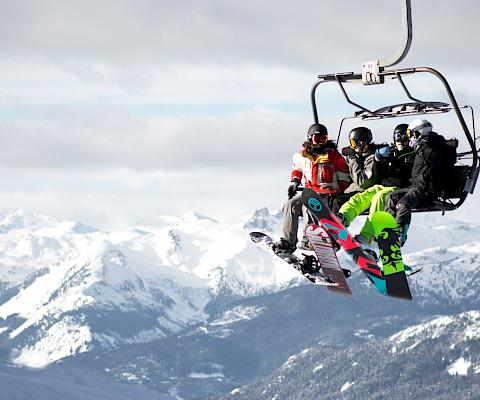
(190, 305)
(436, 359)
(66, 288)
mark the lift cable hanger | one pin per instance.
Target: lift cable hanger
(375, 73)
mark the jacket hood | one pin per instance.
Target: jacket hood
(436, 140)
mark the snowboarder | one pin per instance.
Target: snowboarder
(324, 170)
(360, 155)
(430, 167)
(394, 167)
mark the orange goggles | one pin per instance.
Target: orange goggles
(357, 143)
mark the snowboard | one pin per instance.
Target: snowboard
(323, 248)
(386, 232)
(308, 266)
(334, 227)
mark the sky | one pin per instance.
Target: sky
(116, 112)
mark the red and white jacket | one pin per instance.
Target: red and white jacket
(325, 173)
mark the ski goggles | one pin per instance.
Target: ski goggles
(400, 137)
(412, 133)
(318, 138)
(357, 143)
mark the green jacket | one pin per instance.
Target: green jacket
(362, 171)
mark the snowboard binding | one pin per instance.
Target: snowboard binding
(310, 264)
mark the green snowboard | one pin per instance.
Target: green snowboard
(386, 231)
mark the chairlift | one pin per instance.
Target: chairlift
(466, 170)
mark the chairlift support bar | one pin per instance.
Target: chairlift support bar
(407, 33)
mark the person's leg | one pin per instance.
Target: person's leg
(358, 203)
(377, 204)
(392, 200)
(292, 210)
(412, 198)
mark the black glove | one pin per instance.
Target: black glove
(292, 189)
(348, 151)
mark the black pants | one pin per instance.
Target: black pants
(401, 202)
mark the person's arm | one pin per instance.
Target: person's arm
(296, 176)
(297, 169)
(362, 173)
(341, 171)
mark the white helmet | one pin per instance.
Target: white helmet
(419, 128)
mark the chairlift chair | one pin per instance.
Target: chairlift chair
(374, 73)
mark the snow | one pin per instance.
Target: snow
(237, 314)
(409, 338)
(459, 367)
(63, 339)
(346, 386)
(318, 368)
(439, 327)
(201, 375)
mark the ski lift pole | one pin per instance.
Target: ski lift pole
(406, 37)
(371, 70)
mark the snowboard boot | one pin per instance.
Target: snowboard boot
(402, 234)
(283, 247)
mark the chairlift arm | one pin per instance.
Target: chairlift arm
(407, 33)
(404, 87)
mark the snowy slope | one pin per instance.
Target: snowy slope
(66, 287)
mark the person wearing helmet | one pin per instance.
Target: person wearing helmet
(323, 169)
(428, 173)
(399, 163)
(393, 165)
(360, 155)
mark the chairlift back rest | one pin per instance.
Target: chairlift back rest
(450, 180)
(456, 175)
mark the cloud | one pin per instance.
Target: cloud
(305, 34)
(109, 138)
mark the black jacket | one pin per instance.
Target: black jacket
(397, 170)
(429, 165)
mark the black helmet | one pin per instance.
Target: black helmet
(317, 133)
(359, 135)
(400, 133)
